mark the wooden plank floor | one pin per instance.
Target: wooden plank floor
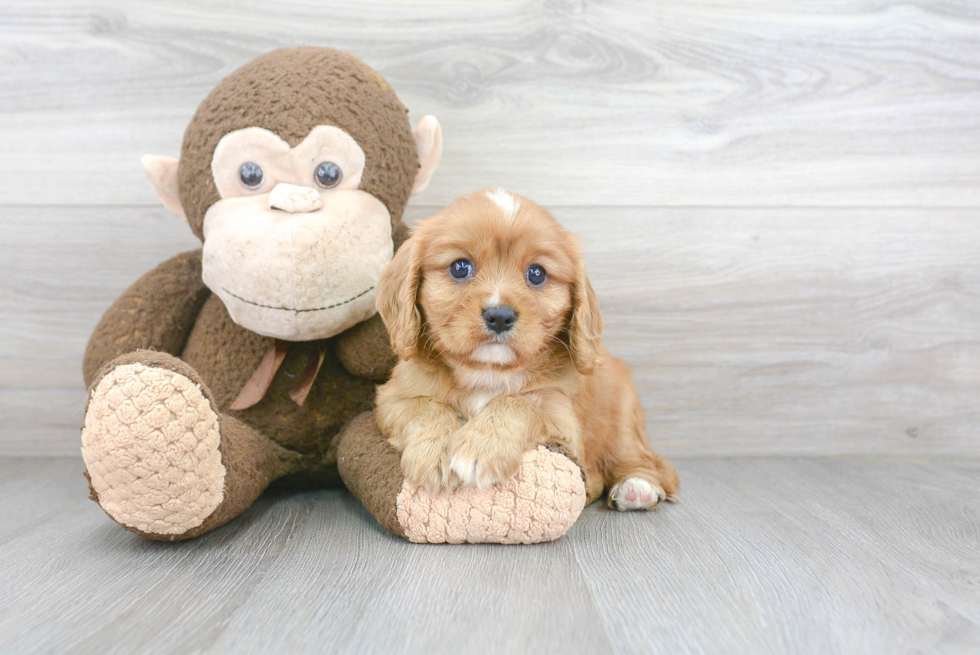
(762, 555)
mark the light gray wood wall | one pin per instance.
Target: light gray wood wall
(780, 202)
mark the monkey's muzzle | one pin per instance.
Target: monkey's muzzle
(294, 272)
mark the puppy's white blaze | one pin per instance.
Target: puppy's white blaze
(494, 353)
(507, 203)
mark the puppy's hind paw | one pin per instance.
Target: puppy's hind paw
(634, 494)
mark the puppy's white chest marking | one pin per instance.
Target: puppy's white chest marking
(489, 380)
(494, 353)
(486, 384)
(478, 400)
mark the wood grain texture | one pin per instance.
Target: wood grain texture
(749, 331)
(771, 555)
(779, 205)
(791, 556)
(703, 102)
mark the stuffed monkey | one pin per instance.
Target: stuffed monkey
(255, 358)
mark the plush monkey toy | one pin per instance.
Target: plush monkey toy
(255, 359)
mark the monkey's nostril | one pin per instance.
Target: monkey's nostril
(499, 318)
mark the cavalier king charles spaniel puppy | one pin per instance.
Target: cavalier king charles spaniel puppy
(498, 333)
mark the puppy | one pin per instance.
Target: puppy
(498, 332)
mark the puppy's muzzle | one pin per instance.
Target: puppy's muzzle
(500, 318)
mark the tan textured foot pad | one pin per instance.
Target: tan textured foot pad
(540, 504)
(150, 444)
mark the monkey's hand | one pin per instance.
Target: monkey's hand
(365, 350)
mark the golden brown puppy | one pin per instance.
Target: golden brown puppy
(498, 329)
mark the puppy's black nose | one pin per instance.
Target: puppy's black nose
(500, 318)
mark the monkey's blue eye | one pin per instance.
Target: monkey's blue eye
(328, 174)
(461, 269)
(250, 174)
(536, 276)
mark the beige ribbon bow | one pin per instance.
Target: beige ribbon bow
(258, 385)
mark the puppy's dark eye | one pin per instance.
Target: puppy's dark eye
(250, 174)
(328, 175)
(461, 269)
(536, 276)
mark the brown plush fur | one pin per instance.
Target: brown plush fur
(458, 414)
(369, 466)
(158, 312)
(250, 459)
(372, 365)
(288, 92)
(170, 311)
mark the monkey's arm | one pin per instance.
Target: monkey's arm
(549, 489)
(157, 312)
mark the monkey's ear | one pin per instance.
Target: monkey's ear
(162, 172)
(428, 143)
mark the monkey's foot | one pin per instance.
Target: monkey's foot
(540, 504)
(150, 444)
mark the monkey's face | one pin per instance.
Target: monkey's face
(293, 247)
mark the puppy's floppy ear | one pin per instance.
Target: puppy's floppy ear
(585, 326)
(397, 299)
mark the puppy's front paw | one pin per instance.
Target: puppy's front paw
(635, 493)
(426, 464)
(482, 460)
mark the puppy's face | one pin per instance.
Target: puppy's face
(491, 281)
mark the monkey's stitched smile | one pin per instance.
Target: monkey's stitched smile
(298, 311)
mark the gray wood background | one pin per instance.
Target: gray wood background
(779, 200)
(780, 203)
